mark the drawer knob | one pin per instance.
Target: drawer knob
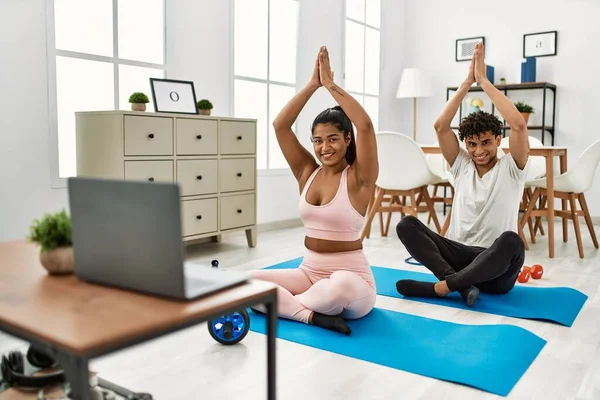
(239, 211)
(198, 216)
(151, 179)
(151, 136)
(198, 136)
(199, 177)
(239, 174)
(239, 138)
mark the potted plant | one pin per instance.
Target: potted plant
(204, 107)
(138, 101)
(53, 233)
(525, 109)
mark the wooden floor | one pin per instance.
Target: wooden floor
(191, 365)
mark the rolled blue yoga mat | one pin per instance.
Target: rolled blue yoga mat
(487, 357)
(555, 304)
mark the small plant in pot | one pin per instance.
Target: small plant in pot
(138, 101)
(53, 233)
(525, 110)
(204, 107)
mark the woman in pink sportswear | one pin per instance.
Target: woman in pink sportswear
(334, 281)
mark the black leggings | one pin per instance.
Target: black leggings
(492, 270)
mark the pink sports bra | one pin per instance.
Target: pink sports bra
(337, 220)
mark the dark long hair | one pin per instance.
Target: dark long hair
(337, 117)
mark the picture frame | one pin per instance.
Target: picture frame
(465, 48)
(540, 44)
(173, 96)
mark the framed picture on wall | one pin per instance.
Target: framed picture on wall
(465, 48)
(542, 44)
(173, 96)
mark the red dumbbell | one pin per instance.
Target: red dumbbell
(535, 271)
(524, 275)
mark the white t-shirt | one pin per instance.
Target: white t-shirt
(485, 207)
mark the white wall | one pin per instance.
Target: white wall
(198, 43)
(24, 152)
(428, 43)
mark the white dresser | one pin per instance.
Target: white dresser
(213, 160)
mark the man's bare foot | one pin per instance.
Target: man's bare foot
(441, 288)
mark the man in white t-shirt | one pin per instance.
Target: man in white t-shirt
(483, 250)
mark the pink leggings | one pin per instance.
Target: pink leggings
(328, 283)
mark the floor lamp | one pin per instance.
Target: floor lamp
(413, 84)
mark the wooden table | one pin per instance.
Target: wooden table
(76, 321)
(549, 152)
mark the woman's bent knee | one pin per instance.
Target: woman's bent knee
(360, 307)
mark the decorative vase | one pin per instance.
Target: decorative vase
(204, 112)
(138, 106)
(58, 261)
(525, 117)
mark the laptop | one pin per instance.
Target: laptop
(128, 234)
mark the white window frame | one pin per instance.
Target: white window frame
(261, 171)
(52, 52)
(364, 25)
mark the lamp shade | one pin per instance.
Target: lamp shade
(413, 83)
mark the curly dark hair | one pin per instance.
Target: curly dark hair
(477, 123)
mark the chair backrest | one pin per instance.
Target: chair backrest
(436, 162)
(583, 172)
(402, 163)
(537, 164)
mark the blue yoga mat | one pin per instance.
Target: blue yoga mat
(555, 304)
(488, 357)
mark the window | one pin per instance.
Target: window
(100, 53)
(264, 41)
(362, 54)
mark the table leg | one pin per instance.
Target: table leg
(550, 196)
(271, 356)
(77, 374)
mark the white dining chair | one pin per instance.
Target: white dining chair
(403, 171)
(570, 186)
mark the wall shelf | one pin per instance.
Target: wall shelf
(543, 86)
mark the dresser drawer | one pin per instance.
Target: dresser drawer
(238, 211)
(152, 171)
(197, 177)
(197, 137)
(148, 136)
(238, 137)
(237, 174)
(199, 216)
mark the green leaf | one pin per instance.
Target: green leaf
(139, 97)
(51, 231)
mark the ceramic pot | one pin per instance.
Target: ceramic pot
(525, 117)
(204, 112)
(58, 261)
(138, 106)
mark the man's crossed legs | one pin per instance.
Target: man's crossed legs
(462, 268)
